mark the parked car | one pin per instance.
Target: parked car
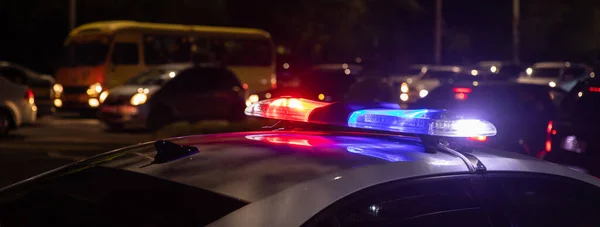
(521, 112)
(575, 133)
(430, 77)
(17, 105)
(164, 95)
(563, 75)
(40, 84)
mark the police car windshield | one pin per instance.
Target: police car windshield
(103, 196)
(151, 77)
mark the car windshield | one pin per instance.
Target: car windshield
(91, 53)
(546, 72)
(152, 77)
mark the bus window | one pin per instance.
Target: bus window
(166, 49)
(125, 54)
(248, 52)
(235, 52)
(91, 53)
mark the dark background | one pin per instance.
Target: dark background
(397, 32)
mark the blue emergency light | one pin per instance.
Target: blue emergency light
(421, 122)
(418, 122)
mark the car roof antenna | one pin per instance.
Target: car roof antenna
(167, 151)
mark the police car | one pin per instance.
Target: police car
(323, 164)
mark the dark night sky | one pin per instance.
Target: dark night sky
(487, 24)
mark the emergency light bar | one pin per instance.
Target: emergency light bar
(422, 122)
(419, 122)
(291, 109)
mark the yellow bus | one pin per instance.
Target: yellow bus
(101, 55)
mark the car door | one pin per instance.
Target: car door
(528, 199)
(433, 201)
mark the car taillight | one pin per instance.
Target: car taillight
(549, 132)
(461, 92)
(478, 138)
(594, 89)
(29, 96)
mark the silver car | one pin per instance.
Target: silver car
(308, 176)
(17, 105)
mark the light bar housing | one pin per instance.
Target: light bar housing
(440, 123)
(421, 122)
(290, 109)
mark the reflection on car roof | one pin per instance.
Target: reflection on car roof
(251, 166)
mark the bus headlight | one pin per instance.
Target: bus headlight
(57, 88)
(138, 99)
(95, 89)
(103, 96)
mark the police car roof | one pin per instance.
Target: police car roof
(286, 169)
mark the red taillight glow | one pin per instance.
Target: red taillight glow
(461, 96)
(594, 89)
(479, 138)
(298, 140)
(291, 109)
(549, 133)
(462, 90)
(29, 96)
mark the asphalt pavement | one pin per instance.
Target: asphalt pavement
(56, 141)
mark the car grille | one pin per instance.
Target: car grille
(75, 90)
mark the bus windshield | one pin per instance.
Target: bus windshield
(84, 54)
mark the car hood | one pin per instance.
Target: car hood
(129, 90)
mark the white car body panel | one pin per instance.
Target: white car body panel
(11, 97)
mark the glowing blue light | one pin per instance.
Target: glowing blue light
(423, 122)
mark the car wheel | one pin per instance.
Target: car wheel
(5, 121)
(159, 117)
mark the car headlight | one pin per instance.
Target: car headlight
(138, 99)
(423, 93)
(94, 89)
(103, 96)
(253, 98)
(404, 87)
(57, 88)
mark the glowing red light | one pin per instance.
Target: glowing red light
(245, 86)
(462, 90)
(298, 140)
(548, 136)
(292, 109)
(594, 89)
(479, 138)
(461, 96)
